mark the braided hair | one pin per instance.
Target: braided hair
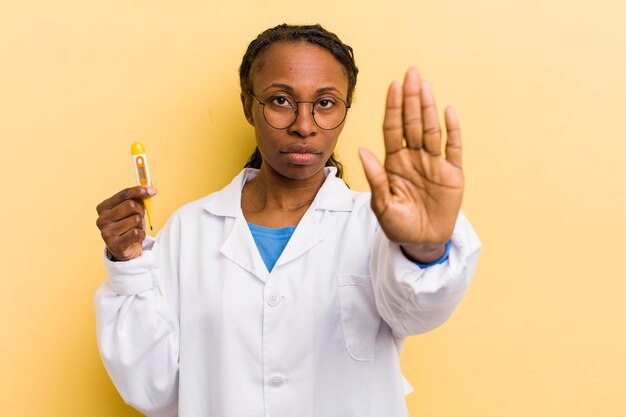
(314, 34)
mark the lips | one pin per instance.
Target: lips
(301, 153)
(302, 148)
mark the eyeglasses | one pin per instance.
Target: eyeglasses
(281, 111)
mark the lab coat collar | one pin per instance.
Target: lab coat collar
(334, 195)
(239, 245)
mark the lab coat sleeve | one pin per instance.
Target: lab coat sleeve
(414, 300)
(138, 327)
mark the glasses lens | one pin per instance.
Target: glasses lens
(280, 111)
(329, 112)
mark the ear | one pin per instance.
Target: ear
(246, 103)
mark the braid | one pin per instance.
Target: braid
(314, 34)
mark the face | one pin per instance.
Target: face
(301, 71)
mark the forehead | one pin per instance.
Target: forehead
(303, 66)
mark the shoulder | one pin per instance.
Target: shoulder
(354, 206)
(222, 203)
(336, 196)
(225, 202)
(195, 207)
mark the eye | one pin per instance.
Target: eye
(325, 103)
(280, 101)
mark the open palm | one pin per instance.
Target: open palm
(417, 193)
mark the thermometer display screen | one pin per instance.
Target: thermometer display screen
(142, 173)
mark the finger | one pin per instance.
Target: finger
(132, 193)
(376, 177)
(412, 109)
(126, 209)
(453, 143)
(392, 124)
(112, 231)
(123, 248)
(432, 130)
(123, 210)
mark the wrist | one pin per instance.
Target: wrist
(424, 253)
(110, 256)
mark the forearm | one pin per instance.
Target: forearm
(138, 332)
(414, 300)
(138, 343)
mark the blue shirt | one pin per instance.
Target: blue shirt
(270, 242)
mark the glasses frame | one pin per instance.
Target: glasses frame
(296, 112)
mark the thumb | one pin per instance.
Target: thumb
(376, 177)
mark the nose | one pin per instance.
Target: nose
(304, 125)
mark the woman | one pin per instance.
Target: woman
(285, 293)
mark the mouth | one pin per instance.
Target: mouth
(301, 148)
(301, 154)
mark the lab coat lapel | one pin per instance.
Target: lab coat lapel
(240, 248)
(307, 234)
(238, 245)
(333, 196)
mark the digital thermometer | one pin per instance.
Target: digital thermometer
(142, 173)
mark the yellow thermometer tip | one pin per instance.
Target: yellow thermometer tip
(137, 148)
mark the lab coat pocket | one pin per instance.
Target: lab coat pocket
(359, 317)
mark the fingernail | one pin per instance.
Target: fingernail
(363, 153)
(151, 190)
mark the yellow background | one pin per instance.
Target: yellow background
(539, 87)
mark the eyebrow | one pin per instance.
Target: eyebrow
(291, 89)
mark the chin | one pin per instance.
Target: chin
(299, 172)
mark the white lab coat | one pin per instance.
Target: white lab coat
(197, 326)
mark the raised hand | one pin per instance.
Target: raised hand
(121, 222)
(417, 194)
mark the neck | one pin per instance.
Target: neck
(271, 191)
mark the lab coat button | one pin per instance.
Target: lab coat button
(276, 381)
(274, 299)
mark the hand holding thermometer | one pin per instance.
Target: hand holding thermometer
(142, 174)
